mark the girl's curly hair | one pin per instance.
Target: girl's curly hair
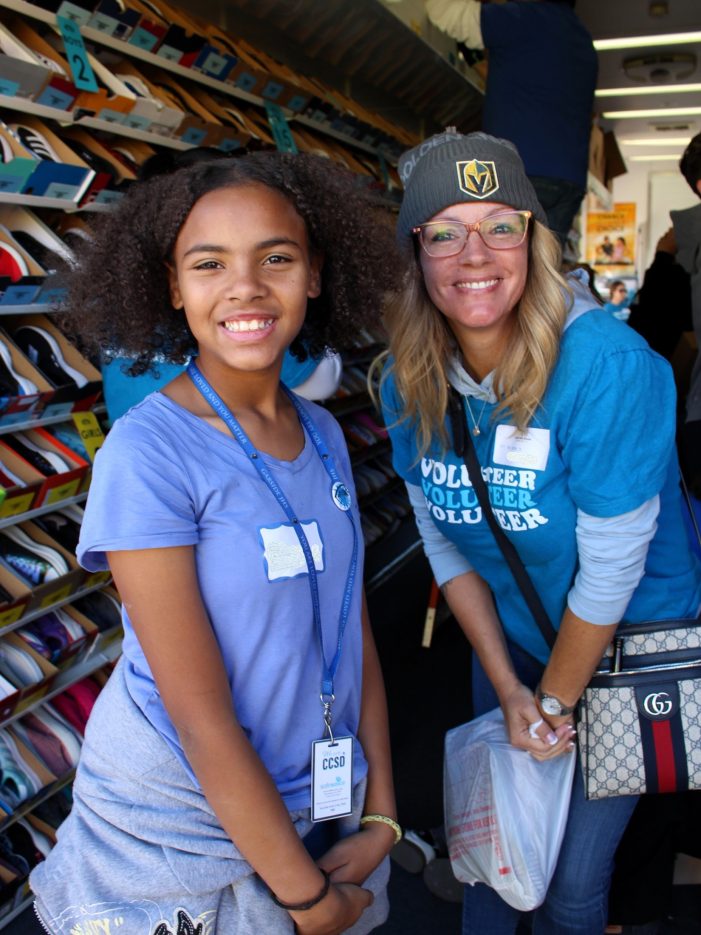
(117, 294)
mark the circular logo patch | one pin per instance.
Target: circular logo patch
(341, 496)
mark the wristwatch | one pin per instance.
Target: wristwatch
(552, 705)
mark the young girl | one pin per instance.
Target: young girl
(249, 689)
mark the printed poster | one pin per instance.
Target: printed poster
(611, 240)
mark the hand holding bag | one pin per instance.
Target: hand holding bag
(505, 813)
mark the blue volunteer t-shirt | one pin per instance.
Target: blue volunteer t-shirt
(593, 445)
(165, 477)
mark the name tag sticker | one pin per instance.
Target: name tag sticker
(283, 554)
(332, 778)
(529, 449)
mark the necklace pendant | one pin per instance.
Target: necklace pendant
(476, 430)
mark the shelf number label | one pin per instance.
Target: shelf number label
(83, 76)
(281, 132)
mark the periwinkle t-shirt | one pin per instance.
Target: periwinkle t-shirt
(164, 477)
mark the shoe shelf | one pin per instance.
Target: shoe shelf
(47, 508)
(67, 118)
(39, 612)
(372, 451)
(40, 308)
(223, 87)
(70, 677)
(370, 498)
(42, 796)
(44, 420)
(16, 910)
(387, 555)
(344, 405)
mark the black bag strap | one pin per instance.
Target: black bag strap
(464, 448)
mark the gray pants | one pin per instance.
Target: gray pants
(142, 853)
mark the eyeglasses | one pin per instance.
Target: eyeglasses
(498, 232)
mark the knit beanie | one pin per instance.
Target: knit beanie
(451, 167)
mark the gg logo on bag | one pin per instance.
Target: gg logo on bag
(658, 703)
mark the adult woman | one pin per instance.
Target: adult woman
(586, 491)
(223, 506)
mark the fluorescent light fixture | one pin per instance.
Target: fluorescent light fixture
(644, 42)
(653, 89)
(656, 158)
(654, 112)
(656, 141)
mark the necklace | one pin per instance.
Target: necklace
(475, 422)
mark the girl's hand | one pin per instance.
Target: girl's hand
(354, 858)
(529, 730)
(338, 910)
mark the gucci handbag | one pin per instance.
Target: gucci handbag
(639, 726)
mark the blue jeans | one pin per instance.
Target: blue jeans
(577, 899)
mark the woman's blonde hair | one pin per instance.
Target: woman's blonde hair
(421, 344)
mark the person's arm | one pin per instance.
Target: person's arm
(460, 19)
(612, 553)
(354, 858)
(160, 591)
(471, 603)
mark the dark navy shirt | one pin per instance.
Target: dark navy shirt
(540, 86)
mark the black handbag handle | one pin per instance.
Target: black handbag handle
(464, 448)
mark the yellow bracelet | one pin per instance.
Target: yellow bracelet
(385, 821)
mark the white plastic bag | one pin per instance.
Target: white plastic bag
(505, 812)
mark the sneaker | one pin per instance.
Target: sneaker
(52, 556)
(31, 566)
(12, 264)
(100, 607)
(69, 436)
(18, 666)
(8, 479)
(10, 380)
(60, 527)
(413, 852)
(45, 353)
(35, 142)
(442, 882)
(30, 453)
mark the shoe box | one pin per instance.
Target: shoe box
(68, 397)
(23, 277)
(17, 163)
(67, 179)
(28, 405)
(27, 694)
(103, 639)
(43, 246)
(57, 487)
(21, 75)
(20, 498)
(59, 588)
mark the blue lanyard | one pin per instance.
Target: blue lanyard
(340, 496)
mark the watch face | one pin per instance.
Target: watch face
(550, 705)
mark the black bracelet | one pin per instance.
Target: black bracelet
(298, 907)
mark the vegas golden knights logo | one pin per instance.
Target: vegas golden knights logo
(476, 178)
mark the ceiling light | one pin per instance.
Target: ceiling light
(656, 158)
(656, 141)
(643, 42)
(652, 89)
(658, 112)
